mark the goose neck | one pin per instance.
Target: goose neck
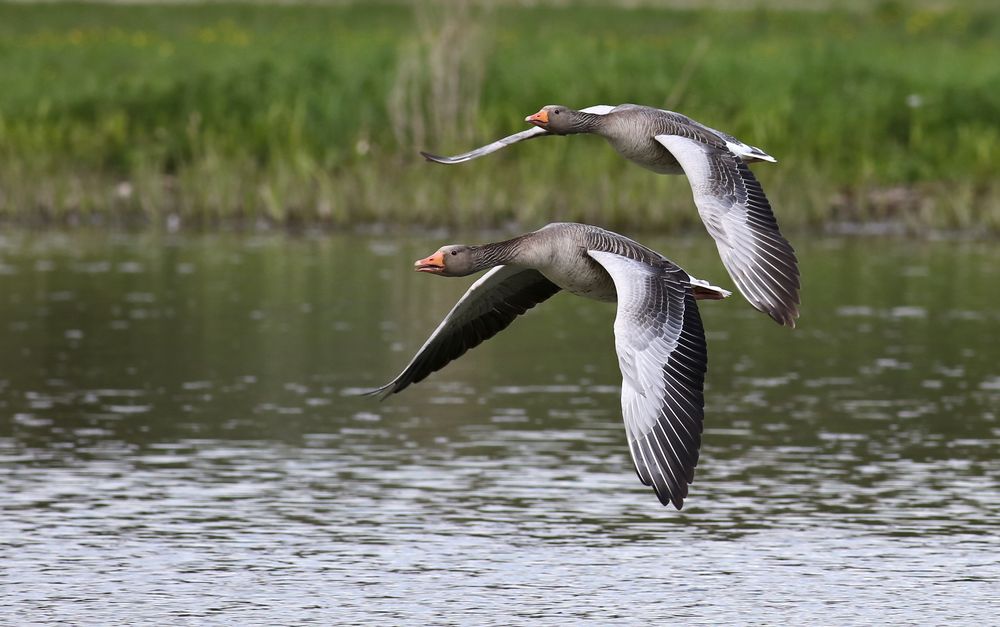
(499, 253)
(586, 122)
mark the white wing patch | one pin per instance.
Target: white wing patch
(599, 109)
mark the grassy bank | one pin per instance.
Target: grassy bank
(316, 114)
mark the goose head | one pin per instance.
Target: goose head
(454, 260)
(557, 119)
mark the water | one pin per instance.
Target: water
(179, 444)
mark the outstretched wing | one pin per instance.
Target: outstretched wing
(744, 151)
(488, 148)
(738, 216)
(486, 308)
(531, 133)
(663, 358)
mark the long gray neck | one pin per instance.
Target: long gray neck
(584, 123)
(498, 253)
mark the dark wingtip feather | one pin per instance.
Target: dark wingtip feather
(667, 499)
(784, 317)
(433, 158)
(382, 392)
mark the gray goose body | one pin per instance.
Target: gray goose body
(659, 337)
(730, 200)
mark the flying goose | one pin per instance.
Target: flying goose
(729, 199)
(658, 333)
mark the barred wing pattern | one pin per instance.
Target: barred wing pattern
(486, 308)
(737, 214)
(663, 359)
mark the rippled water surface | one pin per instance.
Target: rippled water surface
(180, 444)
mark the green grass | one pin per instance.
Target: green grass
(315, 114)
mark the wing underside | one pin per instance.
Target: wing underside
(486, 308)
(663, 359)
(738, 216)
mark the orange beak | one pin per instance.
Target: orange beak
(542, 117)
(434, 263)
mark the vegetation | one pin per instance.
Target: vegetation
(314, 114)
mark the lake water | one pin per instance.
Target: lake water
(179, 443)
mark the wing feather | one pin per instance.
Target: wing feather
(486, 308)
(531, 133)
(737, 214)
(663, 357)
(492, 147)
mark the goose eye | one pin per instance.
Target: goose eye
(454, 252)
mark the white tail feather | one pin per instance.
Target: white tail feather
(707, 291)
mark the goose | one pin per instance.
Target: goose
(730, 200)
(658, 332)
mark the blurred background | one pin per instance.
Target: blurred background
(208, 217)
(208, 113)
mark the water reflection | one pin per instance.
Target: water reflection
(182, 441)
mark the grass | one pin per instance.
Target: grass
(314, 114)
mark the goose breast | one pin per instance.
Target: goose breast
(559, 252)
(631, 133)
(577, 273)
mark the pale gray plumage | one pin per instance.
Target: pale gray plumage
(659, 337)
(729, 198)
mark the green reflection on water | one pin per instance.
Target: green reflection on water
(176, 417)
(149, 338)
